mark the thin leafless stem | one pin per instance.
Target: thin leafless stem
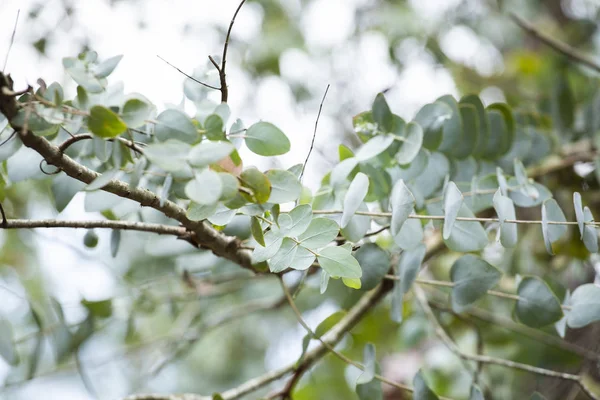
(12, 40)
(443, 336)
(312, 143)
(189, 76)
(556, 45)
(102, 224)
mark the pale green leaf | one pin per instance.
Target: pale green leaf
(209, 152)
(453, 201)
(402, 203)
(265, 139)
(374, 262)
(408, 266)
(375, 146)
(338, 262)
(170, 155)
(354, 197)
(551, 212)
(506, 211)
(320, 232)
(585, 306)
(206, 188)
(174, 124)
(467, 236)
(472, 277)
(412, 141)
(285, 187)
(104, 123)
(537, 305)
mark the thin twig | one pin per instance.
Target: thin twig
(443, 336)
(332, 350)
(312, 143)
(107, 224)
(556, 45)
(222, 74)
(467, 219)
(535, 334)
(12, 40)
(189, 76)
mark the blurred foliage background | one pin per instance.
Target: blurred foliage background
(160, 332)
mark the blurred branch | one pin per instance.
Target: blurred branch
(443, 336)
(12, 40)
(312, 144)
(203, 235)
(556, 45)
(221, 69)
(107, 224)
(188, 76)
(286, 393)
(536, 335)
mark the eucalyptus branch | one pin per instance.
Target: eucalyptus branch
(189, 76)
(535, 334)
(468, 219)
(221, 70)
(102, 224)
(312, 143)
(331, 349)
(443, 336)
(556, 45)
(495, 293)
(203, 234)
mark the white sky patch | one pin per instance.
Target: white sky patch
(462, 45)
(327, 23)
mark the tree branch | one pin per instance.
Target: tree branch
(556, 45)
(222, 75)
(443, 336)
(102, 224)
(204, 236)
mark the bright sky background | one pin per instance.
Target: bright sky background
(115, 30)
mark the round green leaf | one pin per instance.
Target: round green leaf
(206, 188)
(135, 112)
(257, 231)
(285, 186)
(421, 390)
(273, 242)
(467, 236)
(375, 146)
(340, 172)
(105, 123)
(552, 232)
(174, 124)
(170, 155)
(408, 266)
(410, 235)
(382, 114)
(585, 306)
(483, 127)
(590, 235)
(374, 262)
(432, 118)
(578, 212)
(338, 262)
(506, 210)
(258, 183)
(354, 197)
(282, 260)
(402, 203)
(453, 201)
(412, 141)
(265, 139)
(472, 278)
(301, 218)
(319, 233)
(537, 305)
(209, 152)
(198, 212)
(453, 142)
